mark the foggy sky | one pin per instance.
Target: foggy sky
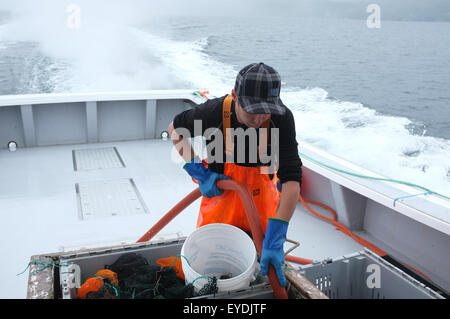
(418, 10)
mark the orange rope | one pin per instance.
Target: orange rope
(341, 227)
(348, 232)
(204, 93)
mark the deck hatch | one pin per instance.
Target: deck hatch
(96, 158)
(103, 199)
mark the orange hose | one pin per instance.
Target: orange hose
(252, 216)
(178, 208)
(298, 260)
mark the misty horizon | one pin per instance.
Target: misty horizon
(391, 10)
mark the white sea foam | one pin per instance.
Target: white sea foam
(377, 142)
(189, 63)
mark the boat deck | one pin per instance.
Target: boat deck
(61, 198)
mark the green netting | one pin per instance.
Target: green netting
(105, 292)
(139, 280)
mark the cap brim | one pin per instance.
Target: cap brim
(262, 106)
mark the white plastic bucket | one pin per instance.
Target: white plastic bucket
(219, 250)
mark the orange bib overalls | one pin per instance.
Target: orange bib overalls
(228, 207)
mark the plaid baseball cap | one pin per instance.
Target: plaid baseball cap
(258, 89)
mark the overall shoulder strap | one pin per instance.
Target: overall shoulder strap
(226, 120)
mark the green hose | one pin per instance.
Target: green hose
(371, 177)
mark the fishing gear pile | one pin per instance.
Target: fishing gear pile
(132, 277)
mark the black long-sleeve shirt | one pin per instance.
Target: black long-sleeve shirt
(289, 165)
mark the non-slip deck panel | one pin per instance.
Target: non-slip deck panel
(102, 199)
(96, 158)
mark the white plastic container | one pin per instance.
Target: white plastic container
(219, 250)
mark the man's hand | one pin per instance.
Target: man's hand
(206, 178)
(272, 250)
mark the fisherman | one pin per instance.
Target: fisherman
(254, 105)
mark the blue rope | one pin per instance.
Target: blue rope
(198, 94)
(179, 256)
(45, 264)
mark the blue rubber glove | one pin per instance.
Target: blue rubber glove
(272, 250)
(206, 178)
